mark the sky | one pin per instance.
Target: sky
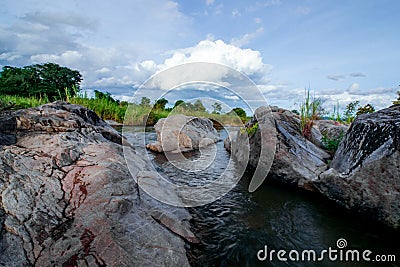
(341, 50)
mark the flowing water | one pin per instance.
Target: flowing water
(235, 227)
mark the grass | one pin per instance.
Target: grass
(310, 110)
(110, 109)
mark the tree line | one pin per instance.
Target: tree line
(47, 80)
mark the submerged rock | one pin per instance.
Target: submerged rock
(183, 133)
(365, 171)
(68, 198)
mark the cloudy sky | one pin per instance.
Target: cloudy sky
(342, 50)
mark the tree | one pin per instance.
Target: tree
(368, 108)
(239, 111)
(145, 102)
(179, 103)
(39, 80)
(160, 104)
(198, 106)
(217, 108)
(350, 111)
(106, 96)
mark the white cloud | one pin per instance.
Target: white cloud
(232, 97)
(236, 13)
(354, 88)
(247, 61)
(247, 38)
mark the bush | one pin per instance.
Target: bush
(251, 130)
(332, 144)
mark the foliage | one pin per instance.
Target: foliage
(335, 116)
(217, 108)
(332, 144)
(20, 102)
(40, 80)
(145, 102)
(241, 113)
(350, 111)
(160, 104)
(251, 130)
(310, 110)
(368, 108)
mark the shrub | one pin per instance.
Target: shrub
(251, 130)
(332, 144)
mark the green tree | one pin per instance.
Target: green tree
(160, 104)
(217, 108)
(145, 102)
(198, 106)
(179, 103)
(350, 111)
(39, 80)
(239, 111)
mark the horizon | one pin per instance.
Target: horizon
(342, 51)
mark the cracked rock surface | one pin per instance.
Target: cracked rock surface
(365, 172)
(68, 199)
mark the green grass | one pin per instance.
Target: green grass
(109, 109)
(310, 110)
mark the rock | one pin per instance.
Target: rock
(327, 128)
(297, 161)
(365, 171)
(68, 198)
(183, 133)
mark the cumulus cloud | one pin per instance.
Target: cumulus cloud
(247, 61)
(354, 88)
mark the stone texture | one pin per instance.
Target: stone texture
(365, 173)
(183, 133)
(297, 161)
(68, 199)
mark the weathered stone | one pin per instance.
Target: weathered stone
(68, 198)
(297, 161)
(365, 173)
(183, 133)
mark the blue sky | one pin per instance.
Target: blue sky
(342, 50)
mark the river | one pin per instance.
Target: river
(235, 227)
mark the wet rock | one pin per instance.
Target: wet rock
(365, 171)
(68, 199)
(183, 133)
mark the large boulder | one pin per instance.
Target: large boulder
(183, 133)
(68, 198)
(297, 161)
(365, 171)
